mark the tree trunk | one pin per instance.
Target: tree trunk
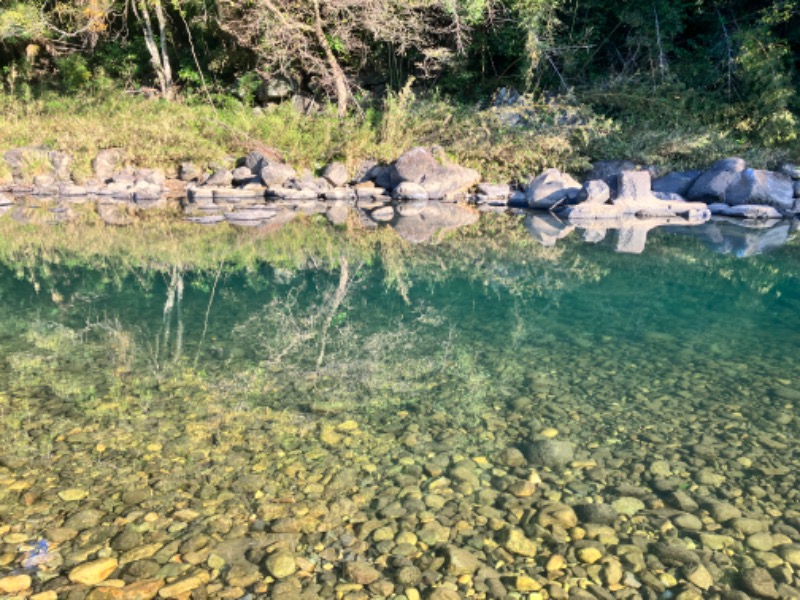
(158, 58)
(339, 79)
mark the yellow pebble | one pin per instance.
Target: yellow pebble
(550, 433)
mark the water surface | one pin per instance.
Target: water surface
(366, 409)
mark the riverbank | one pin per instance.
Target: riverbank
(505, 140)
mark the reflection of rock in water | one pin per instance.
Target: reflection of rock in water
(546, 228)
(741, 238)
(115, 213)
(419, 223)
(632, 230)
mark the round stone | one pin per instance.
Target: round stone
(281, 565)
(628, 505)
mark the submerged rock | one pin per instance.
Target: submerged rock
(555, 454)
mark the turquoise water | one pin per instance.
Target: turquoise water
(188, 427)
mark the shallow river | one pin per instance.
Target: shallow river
(565, 422)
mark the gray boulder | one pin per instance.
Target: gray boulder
(220, 178)
(634, 186)
(550, 188)
(408, 190)
(494, 191)
(107, 162)
(253, 161)
(594, 191)
(151, 176)
(677, 182)
(242, 175)
(712, 186)
(275, 89)
(555, 454)
(791, 170)
(336, 174)
(28, 161)
(439, 180)
(609, 170)
(797, 189)
(274, 173)
(755, 186)
(188, 171)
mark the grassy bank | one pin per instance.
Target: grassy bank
(568, 135)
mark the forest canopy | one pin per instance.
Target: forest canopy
(738, 56)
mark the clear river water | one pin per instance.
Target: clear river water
(470, 418)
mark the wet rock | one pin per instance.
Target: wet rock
(550, 188)
(601, 514)
(555, 454)
(791, 554)
(712, 186)
(511, 457)
(688, 521)
(759, 582)
(493, 191)
(515, 541)
(281, 565)
(461, 561)
(15, 584)
(93, 572)
(698, 575)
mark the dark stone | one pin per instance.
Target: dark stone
(761, 187)
(712, 186)
(555, 454)
(677, 182)
(602, 514)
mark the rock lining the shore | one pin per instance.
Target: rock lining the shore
(613, 192)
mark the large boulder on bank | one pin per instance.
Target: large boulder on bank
(107, 162)
(336, 174)
(609, 170)
(712, 186)
(755, 186)
(419, 166)
(634, 187)
(274, 173)
(551, 188)
(28, 161)
(745, 211)
(677, 182)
